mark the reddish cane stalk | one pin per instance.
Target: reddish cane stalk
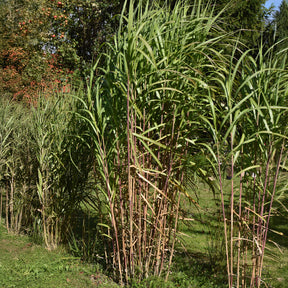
(232, 212)
(270, 208)
(130, 191)
(224, 215)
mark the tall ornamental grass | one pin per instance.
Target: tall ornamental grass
(248, 125)
(171, 91)
(62, 167)
(15, 165)
(142, 112)
(41, 186)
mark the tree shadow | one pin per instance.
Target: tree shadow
(278, 230)
(199, 269)
(84, 238)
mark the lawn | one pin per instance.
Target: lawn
(24, 264)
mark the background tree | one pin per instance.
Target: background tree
(281, 24)
(42, 41)
(91, 24)
(31, 33)
(247, 16)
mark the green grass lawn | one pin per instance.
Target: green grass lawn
(24, 264)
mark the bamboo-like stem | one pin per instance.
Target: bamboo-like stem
(239, 232)
(174, 236)
(153, 231)
(264, 192)
(145, 208)
(103, 156)
(1, 203)
(270, 209)
(232, 213)
(177, 211)
(254, 248)
(11, 204)
(43, 210)
(159, 226)
(7, 208)
(19, 221)
(166, 188)
(114, 225)
(254, 232)
(45, 232)
(259, 236)
(122, 214)
(130, 192)
(140, 235)
(136, 160)
(246, 219)
(224, 215)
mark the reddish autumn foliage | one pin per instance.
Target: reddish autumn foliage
(15, 79)
(29, 30)
(72, 30)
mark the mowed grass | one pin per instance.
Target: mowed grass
(24, 264)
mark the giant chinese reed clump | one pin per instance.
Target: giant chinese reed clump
(173, 87)
(247, 123)
(143, 117)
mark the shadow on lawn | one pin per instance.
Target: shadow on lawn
(84, 238)
(198, 269)
(279, 224)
